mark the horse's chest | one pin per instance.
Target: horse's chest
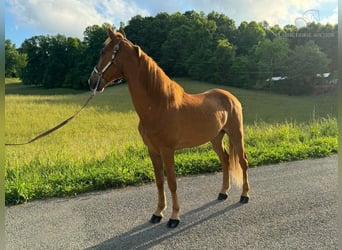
(153, 136)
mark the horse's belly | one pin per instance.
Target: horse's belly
(199, 132)
(190, 143)
(187, 129)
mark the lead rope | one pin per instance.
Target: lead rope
(54, 128)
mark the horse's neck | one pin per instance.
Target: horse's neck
(152, 91)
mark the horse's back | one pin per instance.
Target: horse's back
(216, 98)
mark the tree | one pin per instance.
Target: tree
(248, 36)
(225, 26)
(200, 64)
(243, 71)
(89, 50)
(304, 63)
(75, 48)
(59, 58)
(94, 36)
(11, 55)
(14, 61)
(59, 61)
(149, 32)
(326, 37)
(49, 60)
(175, 50)
(271, 58)
(36, 49)
(222, 61)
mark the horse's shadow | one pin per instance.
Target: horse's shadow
(148, 235)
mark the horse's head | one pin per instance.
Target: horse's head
(108, 69)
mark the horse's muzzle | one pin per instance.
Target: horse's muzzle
(96, 83)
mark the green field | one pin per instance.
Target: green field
(101, 148)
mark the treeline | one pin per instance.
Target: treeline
(57, 61)
(203, 47)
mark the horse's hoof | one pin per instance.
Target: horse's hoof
(244, 199)
(172, 223)
(222, 197)
(155, 219)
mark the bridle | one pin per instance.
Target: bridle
(101, 72)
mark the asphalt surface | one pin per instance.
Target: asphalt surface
(292, 206)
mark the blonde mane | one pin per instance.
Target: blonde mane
(158, 84)
(108, 40)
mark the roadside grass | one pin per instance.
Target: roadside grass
(101, 148)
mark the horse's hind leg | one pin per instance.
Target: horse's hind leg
(244, 165)
(234, 130)
(237, 143)
(245, 188)
(218, 147)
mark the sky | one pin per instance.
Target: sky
(27, 18)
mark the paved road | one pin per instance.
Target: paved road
(292, 206)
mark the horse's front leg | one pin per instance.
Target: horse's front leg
(169, 167)
(159, 175)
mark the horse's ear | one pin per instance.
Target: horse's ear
(138, 50)
(111, 33)
(122, 32)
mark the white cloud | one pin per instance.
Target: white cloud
(274, 12)
(156, 6)
(70, 17)
(119, 10)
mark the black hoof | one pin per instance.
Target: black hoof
(172, 223)
(222, 197)
(155, 219)
(244, 199)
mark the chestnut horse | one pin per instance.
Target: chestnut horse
(172, 119)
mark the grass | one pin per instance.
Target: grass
(101, 148)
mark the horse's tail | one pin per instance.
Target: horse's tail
(235, 169)
(236, 144)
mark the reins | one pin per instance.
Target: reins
(54, 128)
(96, 71)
